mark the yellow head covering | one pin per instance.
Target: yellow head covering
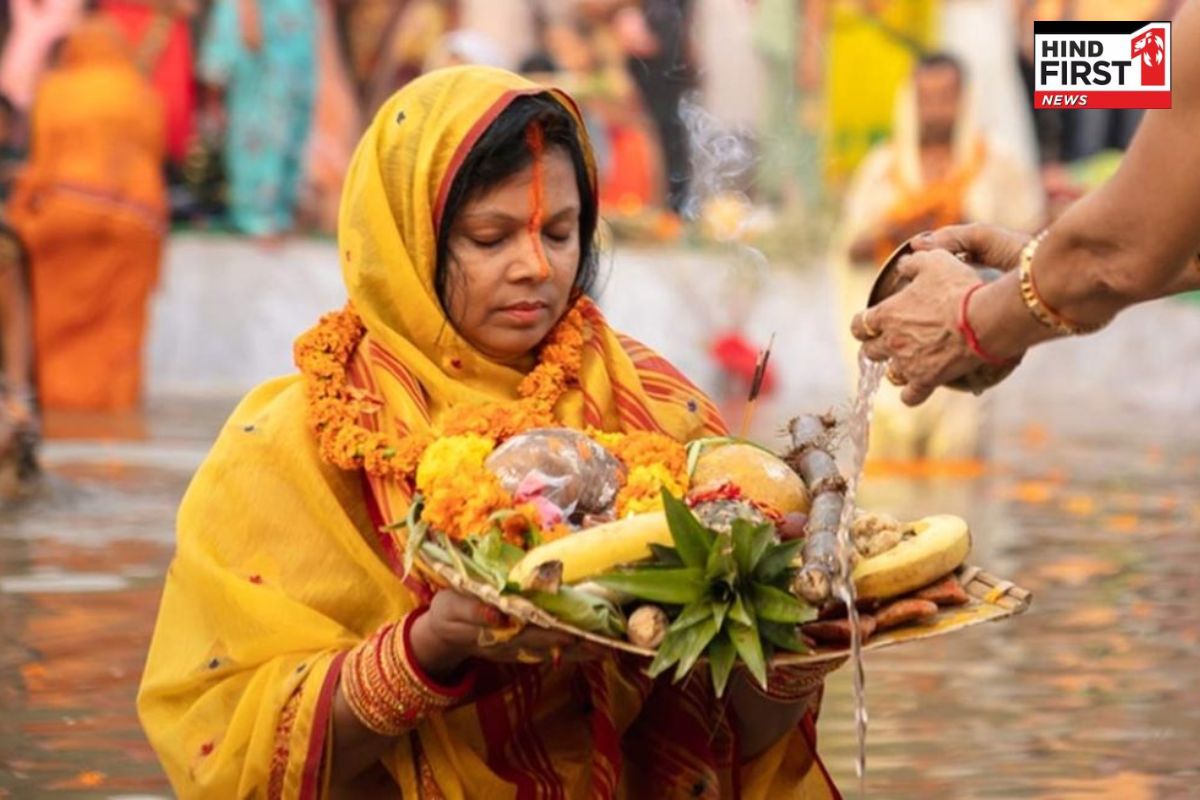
(392, 204)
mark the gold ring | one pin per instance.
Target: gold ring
(867, 329)
(894, 377)
(526, 657)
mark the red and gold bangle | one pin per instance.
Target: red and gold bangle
(385, 687)
(969, 335)
(1042, 311)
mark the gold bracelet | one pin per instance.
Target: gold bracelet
(387, 690)
(1042, 311)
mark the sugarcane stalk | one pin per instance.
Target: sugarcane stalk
(812, 459)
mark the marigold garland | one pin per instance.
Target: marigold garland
(447, 465)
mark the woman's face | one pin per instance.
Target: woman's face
(513, 255)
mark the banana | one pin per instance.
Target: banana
(936, 546)
(596, 550)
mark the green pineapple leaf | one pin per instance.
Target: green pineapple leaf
(776, 560)
(668, 653)
(697, 638)
(775, 605)
(696, 612)
(692, 540)
(720, 609)
(721, 656)
(750, 542)
(666, 556)
(749, 648)
(783, 636)
(676, 586)
(721, 565)
(739, 613)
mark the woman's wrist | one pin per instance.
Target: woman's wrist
(1002, 322)
(387, 689)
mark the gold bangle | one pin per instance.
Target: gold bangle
(1042, 311)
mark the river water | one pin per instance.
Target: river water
(1091, 694)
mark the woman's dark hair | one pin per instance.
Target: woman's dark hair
(501, 152)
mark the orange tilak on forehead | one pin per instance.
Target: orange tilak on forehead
(536, 139)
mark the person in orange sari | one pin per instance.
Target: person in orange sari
(91, 210)
(466, 244)
(937, 169)
(161, 36)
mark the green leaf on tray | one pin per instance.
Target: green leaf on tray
(691, 614)
(692, 540)
(776, 605)
(783, 636)
(668, 653)
(581, 609)
(677, 586)
(417, 531)
(696, 640)
(665, 556)
(721, 657)
(494, 556)
(776, 560)
(750, 542)
(739, 613)
(749, 648)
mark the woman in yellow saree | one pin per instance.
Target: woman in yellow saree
(292, 656)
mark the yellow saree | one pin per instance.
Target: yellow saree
(284, 563)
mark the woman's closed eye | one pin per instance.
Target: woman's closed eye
(488, 240)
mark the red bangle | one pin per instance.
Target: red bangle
(969, 335)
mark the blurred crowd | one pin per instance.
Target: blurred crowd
(122, 118)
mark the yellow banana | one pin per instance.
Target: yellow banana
(590, 552)
(938, 545)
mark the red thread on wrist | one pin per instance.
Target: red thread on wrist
(971, 338)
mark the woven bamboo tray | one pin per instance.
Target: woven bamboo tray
(992, 599)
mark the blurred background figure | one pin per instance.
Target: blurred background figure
(19, 416)
(655, 37)
(159, 33)
(34, 28)
(387, 42)
(577, 46)
(259, 64)
(871, 48)
(936, 169)
(90, 207)
(336, 125)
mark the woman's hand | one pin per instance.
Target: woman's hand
(458, 627)
(917, 328)
(981, 245)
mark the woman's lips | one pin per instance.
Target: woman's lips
(525, 313)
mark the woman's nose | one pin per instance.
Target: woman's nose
(531, 263)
